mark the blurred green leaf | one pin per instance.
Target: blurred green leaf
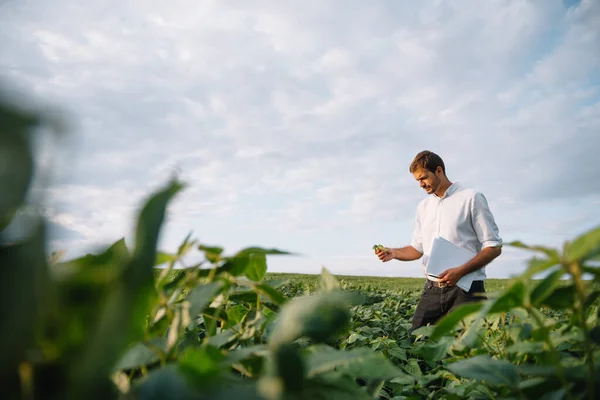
(212, 253)
(584, 247)
(24, 288)
(16, 157)
(487, 369)
(164, 258)
(562, 298)
(115, 255)
(121, 317)
(318, 317)
(140, 354)
(165, 384)
(512, 297)
(358, 362)
(546, 287)
(201, 296)
(201, 365)
(290, 368)
(327, 282)
(260, 250)
(271, 293)
(257, 267)
(435, 351)
(336, 387)
(551, 253)
(536, 266)
(526, 348)
(238, 264)
(450, 320)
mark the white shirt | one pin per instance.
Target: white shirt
(461, 216)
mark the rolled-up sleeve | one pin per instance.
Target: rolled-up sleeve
(484, 223)
(417, 240)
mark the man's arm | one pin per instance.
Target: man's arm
(407, 253)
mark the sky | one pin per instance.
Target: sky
(293, 123)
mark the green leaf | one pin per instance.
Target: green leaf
(551, 253)
(122, 316)
(16, 153)
(562, 298)
(526, 348)
(585, 247)
(434, 352)
(512, 297)
(201, 296)
(242, 353)
(165, 384)
(546, 287)
(358, 362)
(212, 253)
(536, 265)
(244, 296)
(413, 368)
(337, 387)
(202, 365)
(257, 267)
(327, 282)
(164, 258)
(271, 293)
(113, 257)
(24, 300)
(236, 314)
(487, 369)
(450, 320)
(319, 317)
(141, 355)
(290, 368)
(397, 352)
(260, 250)
(222, 338)
(237, 264)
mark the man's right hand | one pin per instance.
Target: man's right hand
(385, 255)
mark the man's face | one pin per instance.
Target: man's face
(428, 181)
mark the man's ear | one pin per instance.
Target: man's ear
(439, 171)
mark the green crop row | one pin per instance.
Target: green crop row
(112, 326)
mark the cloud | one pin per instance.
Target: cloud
(294, 124)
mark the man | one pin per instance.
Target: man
(459, 215)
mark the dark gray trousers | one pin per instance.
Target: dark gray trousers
(436, 302)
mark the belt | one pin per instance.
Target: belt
(437, 284)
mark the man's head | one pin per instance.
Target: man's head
(429, 170)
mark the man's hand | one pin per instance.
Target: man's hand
(385, 254)
(450, 276)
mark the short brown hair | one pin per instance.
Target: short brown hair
(428, 160)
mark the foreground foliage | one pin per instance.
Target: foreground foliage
(110, 325)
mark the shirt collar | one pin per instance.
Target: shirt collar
(451, 189)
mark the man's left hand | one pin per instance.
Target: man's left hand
(450, 276)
